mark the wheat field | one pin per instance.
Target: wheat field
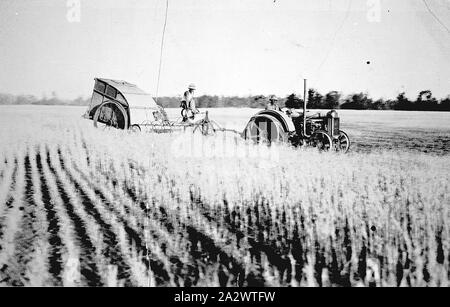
(85, 207)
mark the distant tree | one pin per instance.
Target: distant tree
(169, 102)
(26, 99)
(357, 102)
(54, 100)
(7, 99)
(292, 101)
(206, 101)
(80, 101)
(380, 104)
(314, 99)
(259, 101)
(332, 100)
(445, 104)
(402, 103)
(220, 102)
(389, 104)
(236, 101)
(426, 102)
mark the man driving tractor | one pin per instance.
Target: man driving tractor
(188, 104)
(273, 103)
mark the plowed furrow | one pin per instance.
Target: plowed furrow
(198, 208)
(208, 252)
(86, 150)
(163, 238)
(53, 227)
(12, 217)
(9, 203)
(4, 165)
(256, 247)
(112, 250)
(134, 238)
(25, 238)
(88, 267)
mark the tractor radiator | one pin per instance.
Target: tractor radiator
(333, 126)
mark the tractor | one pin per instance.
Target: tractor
(297, 127)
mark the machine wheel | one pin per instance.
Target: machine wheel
(265, 128)
(321, 140)
(342, 142)
(111, 114)
(205, 128)
(135, 128)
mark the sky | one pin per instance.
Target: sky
(226, 47)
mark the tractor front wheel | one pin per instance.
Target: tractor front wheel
(342, 143)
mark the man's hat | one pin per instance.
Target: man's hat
(191, 86)
(273, 98)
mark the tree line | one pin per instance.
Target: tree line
(8, 99)
(332, 100)
(425, 101)
(361, 101)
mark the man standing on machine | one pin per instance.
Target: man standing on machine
(188, 104)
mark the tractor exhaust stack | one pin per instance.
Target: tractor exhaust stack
(304, 107)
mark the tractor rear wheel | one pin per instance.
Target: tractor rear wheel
(266, 129)
(111, 114)
(321, 140)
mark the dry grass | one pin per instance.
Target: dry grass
(125, 209)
